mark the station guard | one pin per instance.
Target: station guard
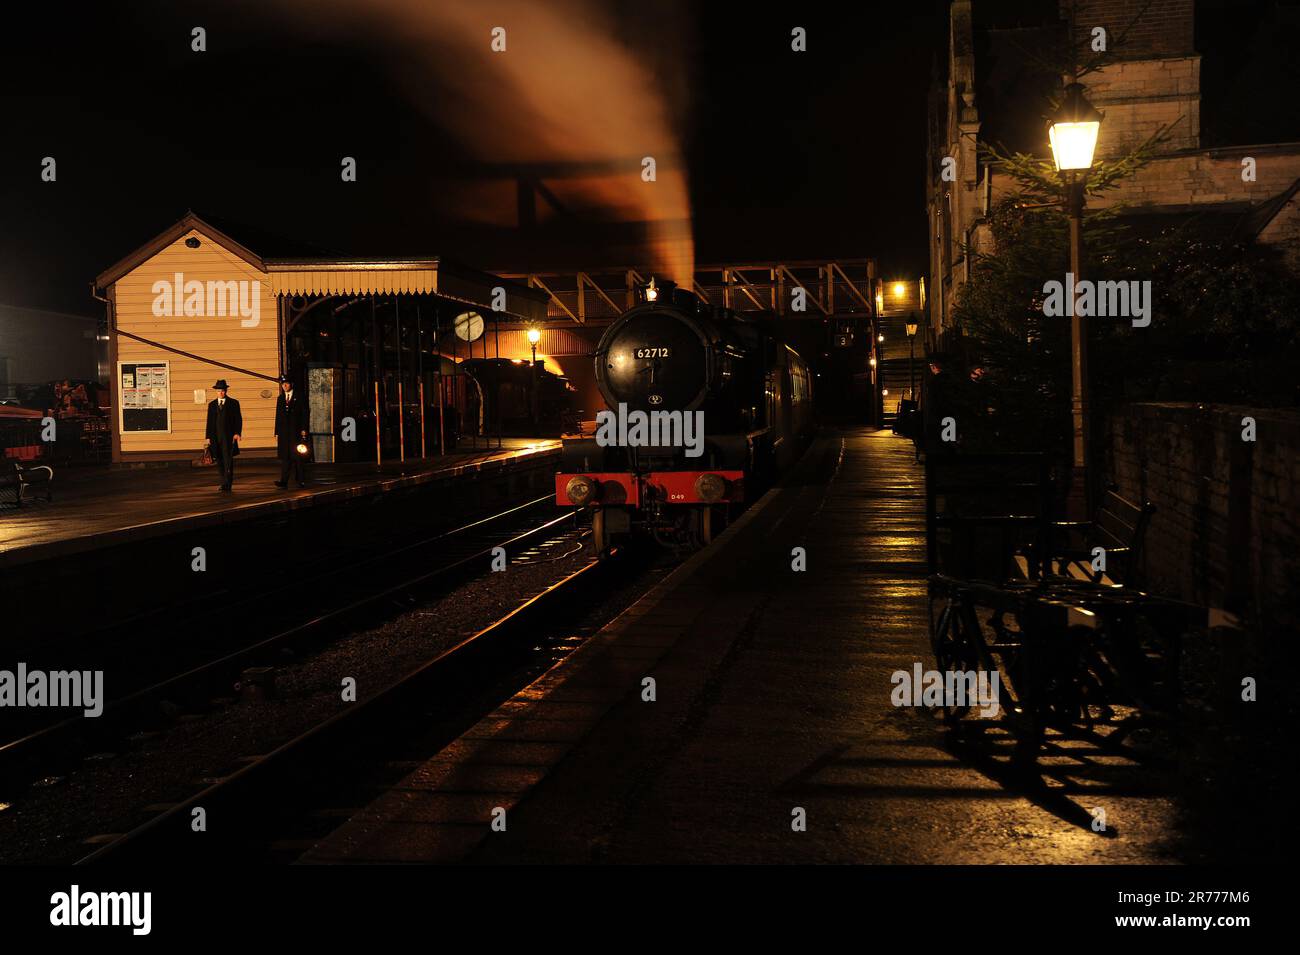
(290, 432)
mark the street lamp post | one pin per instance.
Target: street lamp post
(911, 358)
(534, 336)
(1073, 137)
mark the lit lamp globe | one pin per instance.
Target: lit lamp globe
(534, 336)
(1074, 129)
(911, 329)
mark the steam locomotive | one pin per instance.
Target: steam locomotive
(703, 408)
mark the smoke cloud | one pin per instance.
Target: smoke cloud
(576, 94)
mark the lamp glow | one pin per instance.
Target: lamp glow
(534, 336)
(1074, 130)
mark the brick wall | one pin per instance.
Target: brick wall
(1139, 97)
(1166, 28)
(1187, 179)
(1227, 532)
(1209, 177)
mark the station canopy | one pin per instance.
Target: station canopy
(300, 270)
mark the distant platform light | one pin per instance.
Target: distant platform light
(900, 289)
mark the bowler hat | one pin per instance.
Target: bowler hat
(221, 385)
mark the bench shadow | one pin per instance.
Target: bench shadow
(1068, 774)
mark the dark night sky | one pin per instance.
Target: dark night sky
(789, 155)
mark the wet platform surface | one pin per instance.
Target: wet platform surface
(98, 507)
(772, 700)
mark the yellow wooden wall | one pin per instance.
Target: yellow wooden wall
(219, 337)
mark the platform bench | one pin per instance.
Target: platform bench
(22, 481)
(1118, 526)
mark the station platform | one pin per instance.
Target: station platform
(772, 700)
(98, 507)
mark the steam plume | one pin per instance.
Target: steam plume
(569, 94)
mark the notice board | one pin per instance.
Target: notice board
(145, 395)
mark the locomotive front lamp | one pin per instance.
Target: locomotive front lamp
(710, 488)
(1074, 129)
(580, 489)
(651, 293)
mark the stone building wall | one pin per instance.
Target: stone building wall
(1159, 27)
(1140, 97)
(1226, 532)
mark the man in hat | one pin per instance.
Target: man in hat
(225, 425)
(290, 431)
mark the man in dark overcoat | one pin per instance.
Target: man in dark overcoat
(290, 431)
(225, 427)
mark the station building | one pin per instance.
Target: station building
(374, 340)
(991, 92)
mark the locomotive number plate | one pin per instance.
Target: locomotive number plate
(657, 352)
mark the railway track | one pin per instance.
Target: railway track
(444, 559)
(273, 807)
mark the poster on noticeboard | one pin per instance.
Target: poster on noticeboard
(144, 389)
